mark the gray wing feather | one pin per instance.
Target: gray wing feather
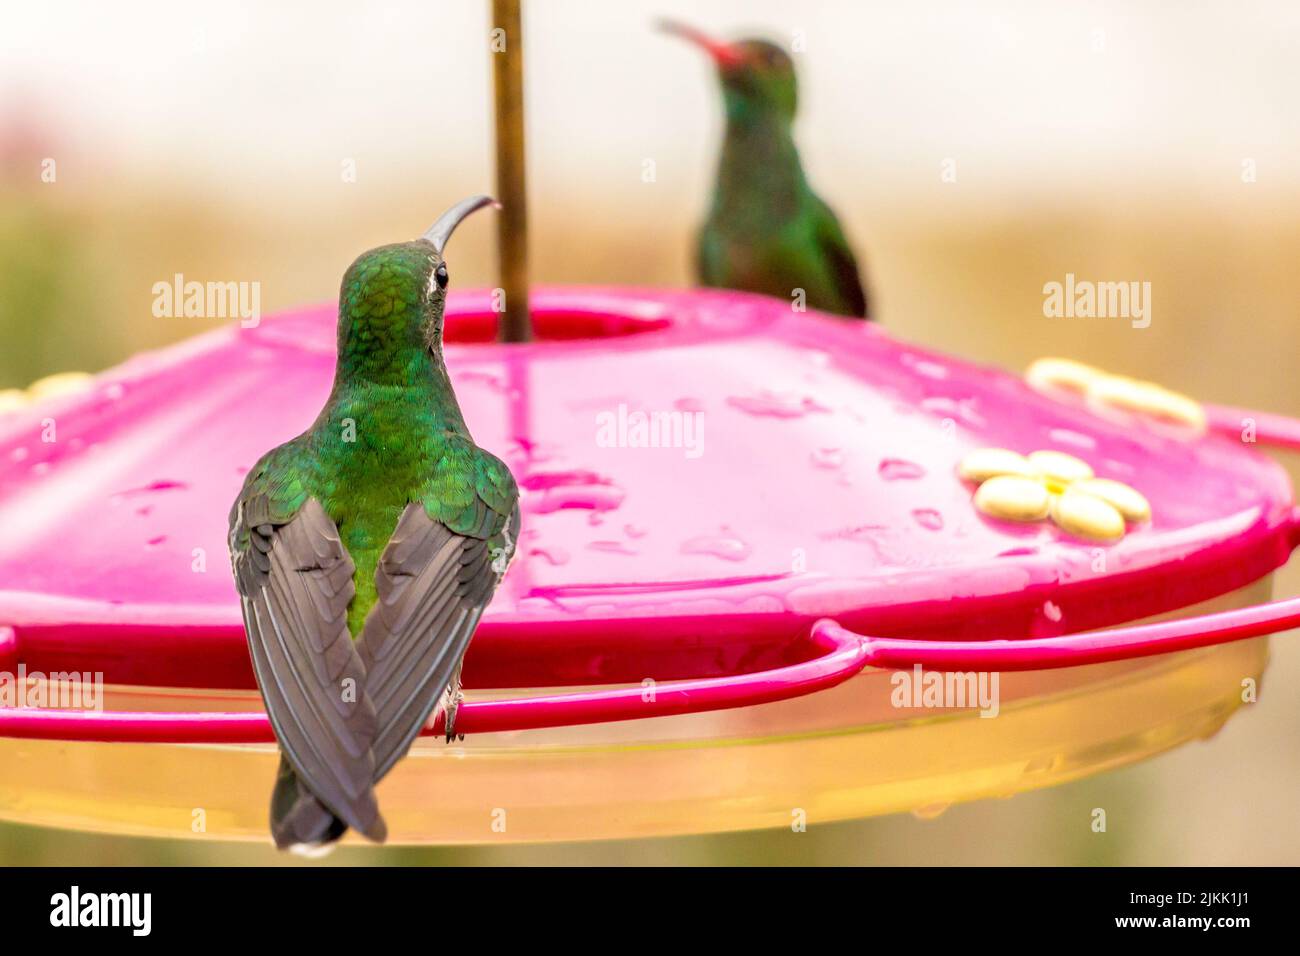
(296, 582)
(432, 587)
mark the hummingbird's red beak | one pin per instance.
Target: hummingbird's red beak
(723, 54)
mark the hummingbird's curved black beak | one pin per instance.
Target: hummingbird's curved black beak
(441, 230)
(723, 54)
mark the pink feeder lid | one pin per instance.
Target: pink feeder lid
(823, 485)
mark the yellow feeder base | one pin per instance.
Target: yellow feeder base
(836, 755)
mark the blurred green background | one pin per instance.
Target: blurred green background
(1118, 141)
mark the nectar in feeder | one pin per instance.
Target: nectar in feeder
(772, 682)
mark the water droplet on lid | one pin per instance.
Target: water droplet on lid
(541, 480)
(818, 357)
(924, 366)
(40, 468)
(1066, 436)
(961, 409)
(725, 546)
(610, 547)
(633, 531)
(528, 449)
(828, 458)
(162, 485)
(19, 454)
(473, 376)
(772, 405)
(1051, 611)
(862, 532)
(928, 518)
(572, 490)
(119, 496)
(553, 555)
(688, 405)
(898, 469)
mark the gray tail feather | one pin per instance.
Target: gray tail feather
(300, 822)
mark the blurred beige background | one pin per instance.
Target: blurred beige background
(1116, 140)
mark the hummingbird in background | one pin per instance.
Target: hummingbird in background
(767, 231)
(365, 550)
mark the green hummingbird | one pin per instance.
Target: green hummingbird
(365, 550)
(767, 231)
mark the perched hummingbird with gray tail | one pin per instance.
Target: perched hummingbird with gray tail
(366, 549)
(767, 231)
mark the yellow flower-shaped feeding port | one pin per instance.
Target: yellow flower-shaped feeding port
(1101, 390)
(12, 399)
(1055, 485)
(60, 383)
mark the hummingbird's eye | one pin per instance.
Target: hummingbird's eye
(440, 275)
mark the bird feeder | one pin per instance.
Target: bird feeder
(700, 636)
(754, 542)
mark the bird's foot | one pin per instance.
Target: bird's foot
(454, 700)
